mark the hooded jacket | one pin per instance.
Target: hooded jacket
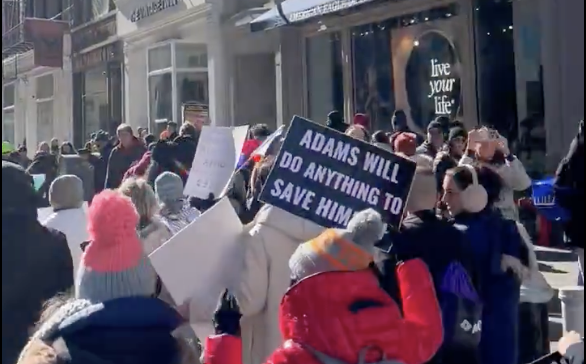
(47, 164)
(344, 314)
(120, 161)
(569, 190)
(273, 238)
(36, 262)
(122, 331)
(72, 223)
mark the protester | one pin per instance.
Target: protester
(36, 262)
(362, 120)
(114, 317)
(149, 139)
(336, 121)
(399, 122)
(447, 254)
(67, 149)
(129, 151)
(164, 158)
(336, 311)
(175, 212)
(469, 194)
(569, 193)
(258, 178)
(24, 160)
(571, 346)
(69, 217)
(381, 140)
(404, 143)
(434, 142)
(55, 147)
(493, 151)
(358, 132)
(46, 164)
(273, 237)
(450, 156)
(104, 148)
(44, 148)
(170, 133)
(186, 145)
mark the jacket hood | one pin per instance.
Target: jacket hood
(19, 198)
(292, 226)
(348, 305)
(139, 328)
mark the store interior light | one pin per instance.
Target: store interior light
(416, 43)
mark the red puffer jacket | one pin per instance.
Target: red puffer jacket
(340, 314)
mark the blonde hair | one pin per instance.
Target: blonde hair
(142, 196)
(353, 131)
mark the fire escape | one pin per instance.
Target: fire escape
(36, 25)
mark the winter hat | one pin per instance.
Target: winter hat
(405, 143)
(113, 264)
(66, 192)
(435, 125)
(7, 148)
(362, 120)
(18, 194)
(169, 190)
(349, 249)
(457, 132)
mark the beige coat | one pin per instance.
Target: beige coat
(266, 277)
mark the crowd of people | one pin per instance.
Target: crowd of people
(446, 288)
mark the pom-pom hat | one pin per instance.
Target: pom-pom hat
(113, 264)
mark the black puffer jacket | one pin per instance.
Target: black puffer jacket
(36, 262)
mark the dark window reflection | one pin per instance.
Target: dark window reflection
(373, 75)
(495, 65)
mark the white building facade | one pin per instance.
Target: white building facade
(201, 53)
(36, 101)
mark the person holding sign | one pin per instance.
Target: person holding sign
(336, 312)
(496, 246)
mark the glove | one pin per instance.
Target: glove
(227, 316)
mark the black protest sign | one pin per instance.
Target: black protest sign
(325, 176)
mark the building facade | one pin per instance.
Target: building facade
(36, 72)
(97, 65)
(513, 65)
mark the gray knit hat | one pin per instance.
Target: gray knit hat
(347, 249)
(169, 191)
(66, 192)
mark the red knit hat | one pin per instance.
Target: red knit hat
(362, 120)
(405, 143)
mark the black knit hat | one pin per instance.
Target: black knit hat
(457, 133)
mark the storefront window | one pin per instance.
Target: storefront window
(95, 102)
(8, 132)
(44, 99)
(373, 75)
(324, 75)
(172, 85)
(160, 58)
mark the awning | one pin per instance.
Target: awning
(296, 11)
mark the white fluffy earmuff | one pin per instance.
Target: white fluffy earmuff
(474, 197)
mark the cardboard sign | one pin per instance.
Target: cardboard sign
(203, 259)
(214, 161)
(325, 176)
(38, 180)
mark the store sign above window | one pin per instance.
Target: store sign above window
(151, 8)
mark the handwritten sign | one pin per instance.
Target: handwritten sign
(189, 262)
(441, 85)
(214, 160)
(325, 176)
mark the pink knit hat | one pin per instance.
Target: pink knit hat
(113, 265)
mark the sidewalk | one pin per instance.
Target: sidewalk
(560, 268)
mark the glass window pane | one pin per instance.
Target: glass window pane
(193, 87)
(160, 58)
(8, 127)
(191, 55)
(160, 99)
(45, 121)
(9, 95)
(373, 75)
(324, 75)
(95, 113)
(45, 87)
(95, 81)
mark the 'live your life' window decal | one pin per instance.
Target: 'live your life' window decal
(433, 79)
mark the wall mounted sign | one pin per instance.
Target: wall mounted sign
(151, 8)
(47, 38)
(99, 56)
(93, 34)
(432, 78)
